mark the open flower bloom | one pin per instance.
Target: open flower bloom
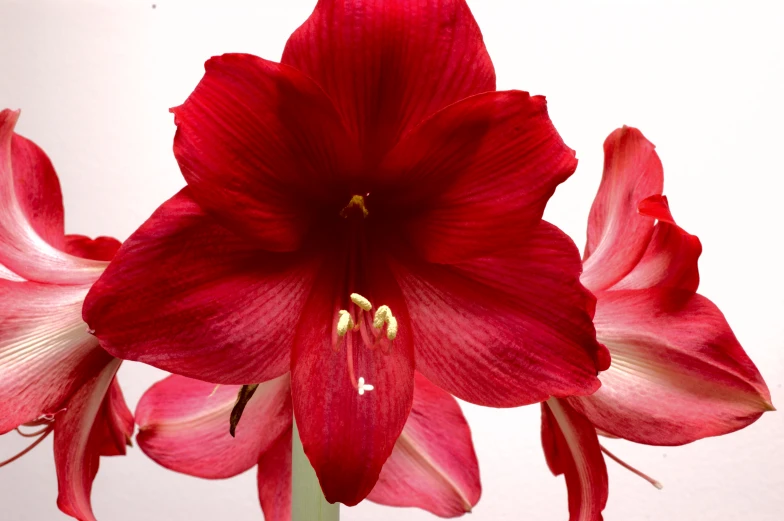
(368, 206)
(678, 373)
(183, 426)
(55, 377)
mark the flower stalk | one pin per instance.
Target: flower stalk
(307, 499)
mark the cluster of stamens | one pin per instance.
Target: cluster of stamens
(384, 325)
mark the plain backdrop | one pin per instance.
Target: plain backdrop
(702, 80)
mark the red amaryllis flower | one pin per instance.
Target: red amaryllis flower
(54, 374)
(183, 427)
(366, 207)
(678, 373)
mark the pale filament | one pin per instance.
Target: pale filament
(348, 323)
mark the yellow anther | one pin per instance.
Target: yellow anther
(356, 201)
(391, 327)
(382, 313)
(361, 301)
(345, 322)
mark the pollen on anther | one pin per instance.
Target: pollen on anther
(391, 328)
(361, 301)
(362, 387)
(382, 313)
(344, 322)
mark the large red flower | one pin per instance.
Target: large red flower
(678, 373)
(183, 427)
(54, 374)
(369, 206)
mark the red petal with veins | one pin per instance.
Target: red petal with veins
(433, 465)
(388, 65)
(670, 261)
(79, 441)
(348, 437)
(100, 248)
(114, 425)
(30, 203)
(274, 480)
(184, 425)
(571, 447)
(617, 235)
(46, 352)
(275, 147)
(505, 330)
(678, 373)
(187, 295)
(483, 170)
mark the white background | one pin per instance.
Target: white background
(703, 80)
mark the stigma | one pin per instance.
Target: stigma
(373, 329)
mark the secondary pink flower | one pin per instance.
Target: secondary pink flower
(54, 374)
(183, 426)
(678, 373)
(369, 206)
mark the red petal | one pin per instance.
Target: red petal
(259, 144)
(184, 425)
(433, 466)
(100, 248)
(670, 261)
(31, 204)
(571, 447)
(617, 235)
(347, 437)
(78, 443)
(187, 295)
(114, 426)
(678, 373)
(506, 330)
(274, 480)
(484, 169)
(46, 352)
(389, 65)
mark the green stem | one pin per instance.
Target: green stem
(307, 500)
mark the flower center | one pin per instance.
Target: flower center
(373, 329)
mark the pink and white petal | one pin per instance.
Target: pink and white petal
(505, 330)
(433, 465)
(346, 436)
(189, 296)
(670, 261)
(389, 65)
(184, 425)
(100, 248)
(30, 203)
(571, 447)
(114, 425)
(617, 234)
(484, 169)
(46, 352)
(260, 145)
(678, 373)
(274, 480)
(78, 442)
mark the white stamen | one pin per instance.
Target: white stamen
(391, 327)
(382, 314)
(345, 322)
(362, 386)
(361, 301)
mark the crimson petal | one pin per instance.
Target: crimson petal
(100, 248)
(509, 329)
(484, 169)
(348, 437)
(617, 235)
(259, 144)
(184, 425)
(189, 296)
(274, 480)
(433, 465)
(388, 65)
(678, 373)
(571, 447)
